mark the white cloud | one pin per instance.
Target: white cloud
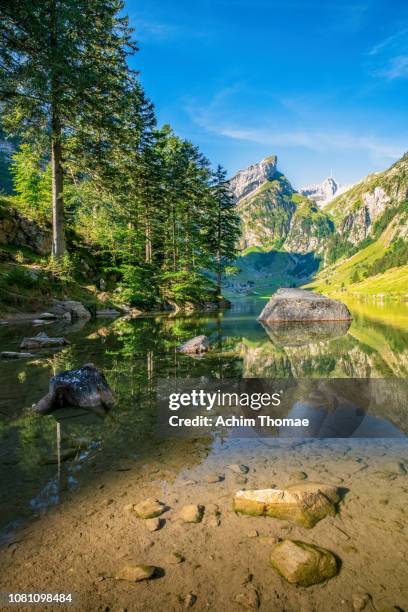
(318, 141)
(218, 118)
(390, 42)
(397, 68)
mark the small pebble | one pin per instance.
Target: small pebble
(360, 601)
(174, 558)
(212, 478)
(153, 524)
(238, 468)
(249, 599)
(189, 600)
(193, 513)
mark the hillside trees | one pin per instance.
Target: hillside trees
(144, 202)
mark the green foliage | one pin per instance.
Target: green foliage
(355, 276)
(395, 256)
(139, 286)
(143, 201)
(225, 225)
(383, 222)
(6, 185)
(186, 286)
(32, 184)
(62, 268)
(19, 277)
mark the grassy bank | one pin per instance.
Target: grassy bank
(27, 288)
(349, 277)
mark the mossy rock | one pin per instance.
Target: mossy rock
(303, 564)
(149, 508)
(304, 504)
(135, 573)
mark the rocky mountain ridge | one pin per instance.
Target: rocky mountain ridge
(324, 192)
(360, 237)
(358, 212)
(249, 180)
(273, 214)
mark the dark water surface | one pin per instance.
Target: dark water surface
(42, 458)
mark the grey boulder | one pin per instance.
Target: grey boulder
(195, 346)
(14, 355)
(76, 310)
(85, 387)
(43, 341)
(302, 305)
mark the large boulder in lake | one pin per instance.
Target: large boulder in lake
(85, 387)
(302, 305)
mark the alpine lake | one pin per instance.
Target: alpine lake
(66, 477)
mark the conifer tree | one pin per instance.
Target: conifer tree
(62, 67)
(225, 229)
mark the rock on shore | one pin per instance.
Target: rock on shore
(303, 564)
(302, 305)
(304, 504)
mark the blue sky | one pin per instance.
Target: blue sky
(323, 84)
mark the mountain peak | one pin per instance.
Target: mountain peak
(247, 181)
(322, 193)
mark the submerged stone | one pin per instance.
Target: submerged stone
(238, 469)
(42, 341)
(14, 355)
(303, 564)
(149, 508)
(197, 345)
(304, 504)
(174, 558)
(135, 573)
(192, 513)
(249, 599)
(153, 524)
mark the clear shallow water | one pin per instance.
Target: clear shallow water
(134, 355)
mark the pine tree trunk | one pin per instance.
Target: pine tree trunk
(219, 279)
(219, 268)
(58, 226)
(148, 247)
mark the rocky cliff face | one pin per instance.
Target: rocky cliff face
(248, 181)
(273, 215)
(364, 209)
(323, 192)
(20, 231)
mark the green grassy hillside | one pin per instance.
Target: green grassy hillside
(348, 277)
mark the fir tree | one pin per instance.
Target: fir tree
(225, 229)
(63, 67)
